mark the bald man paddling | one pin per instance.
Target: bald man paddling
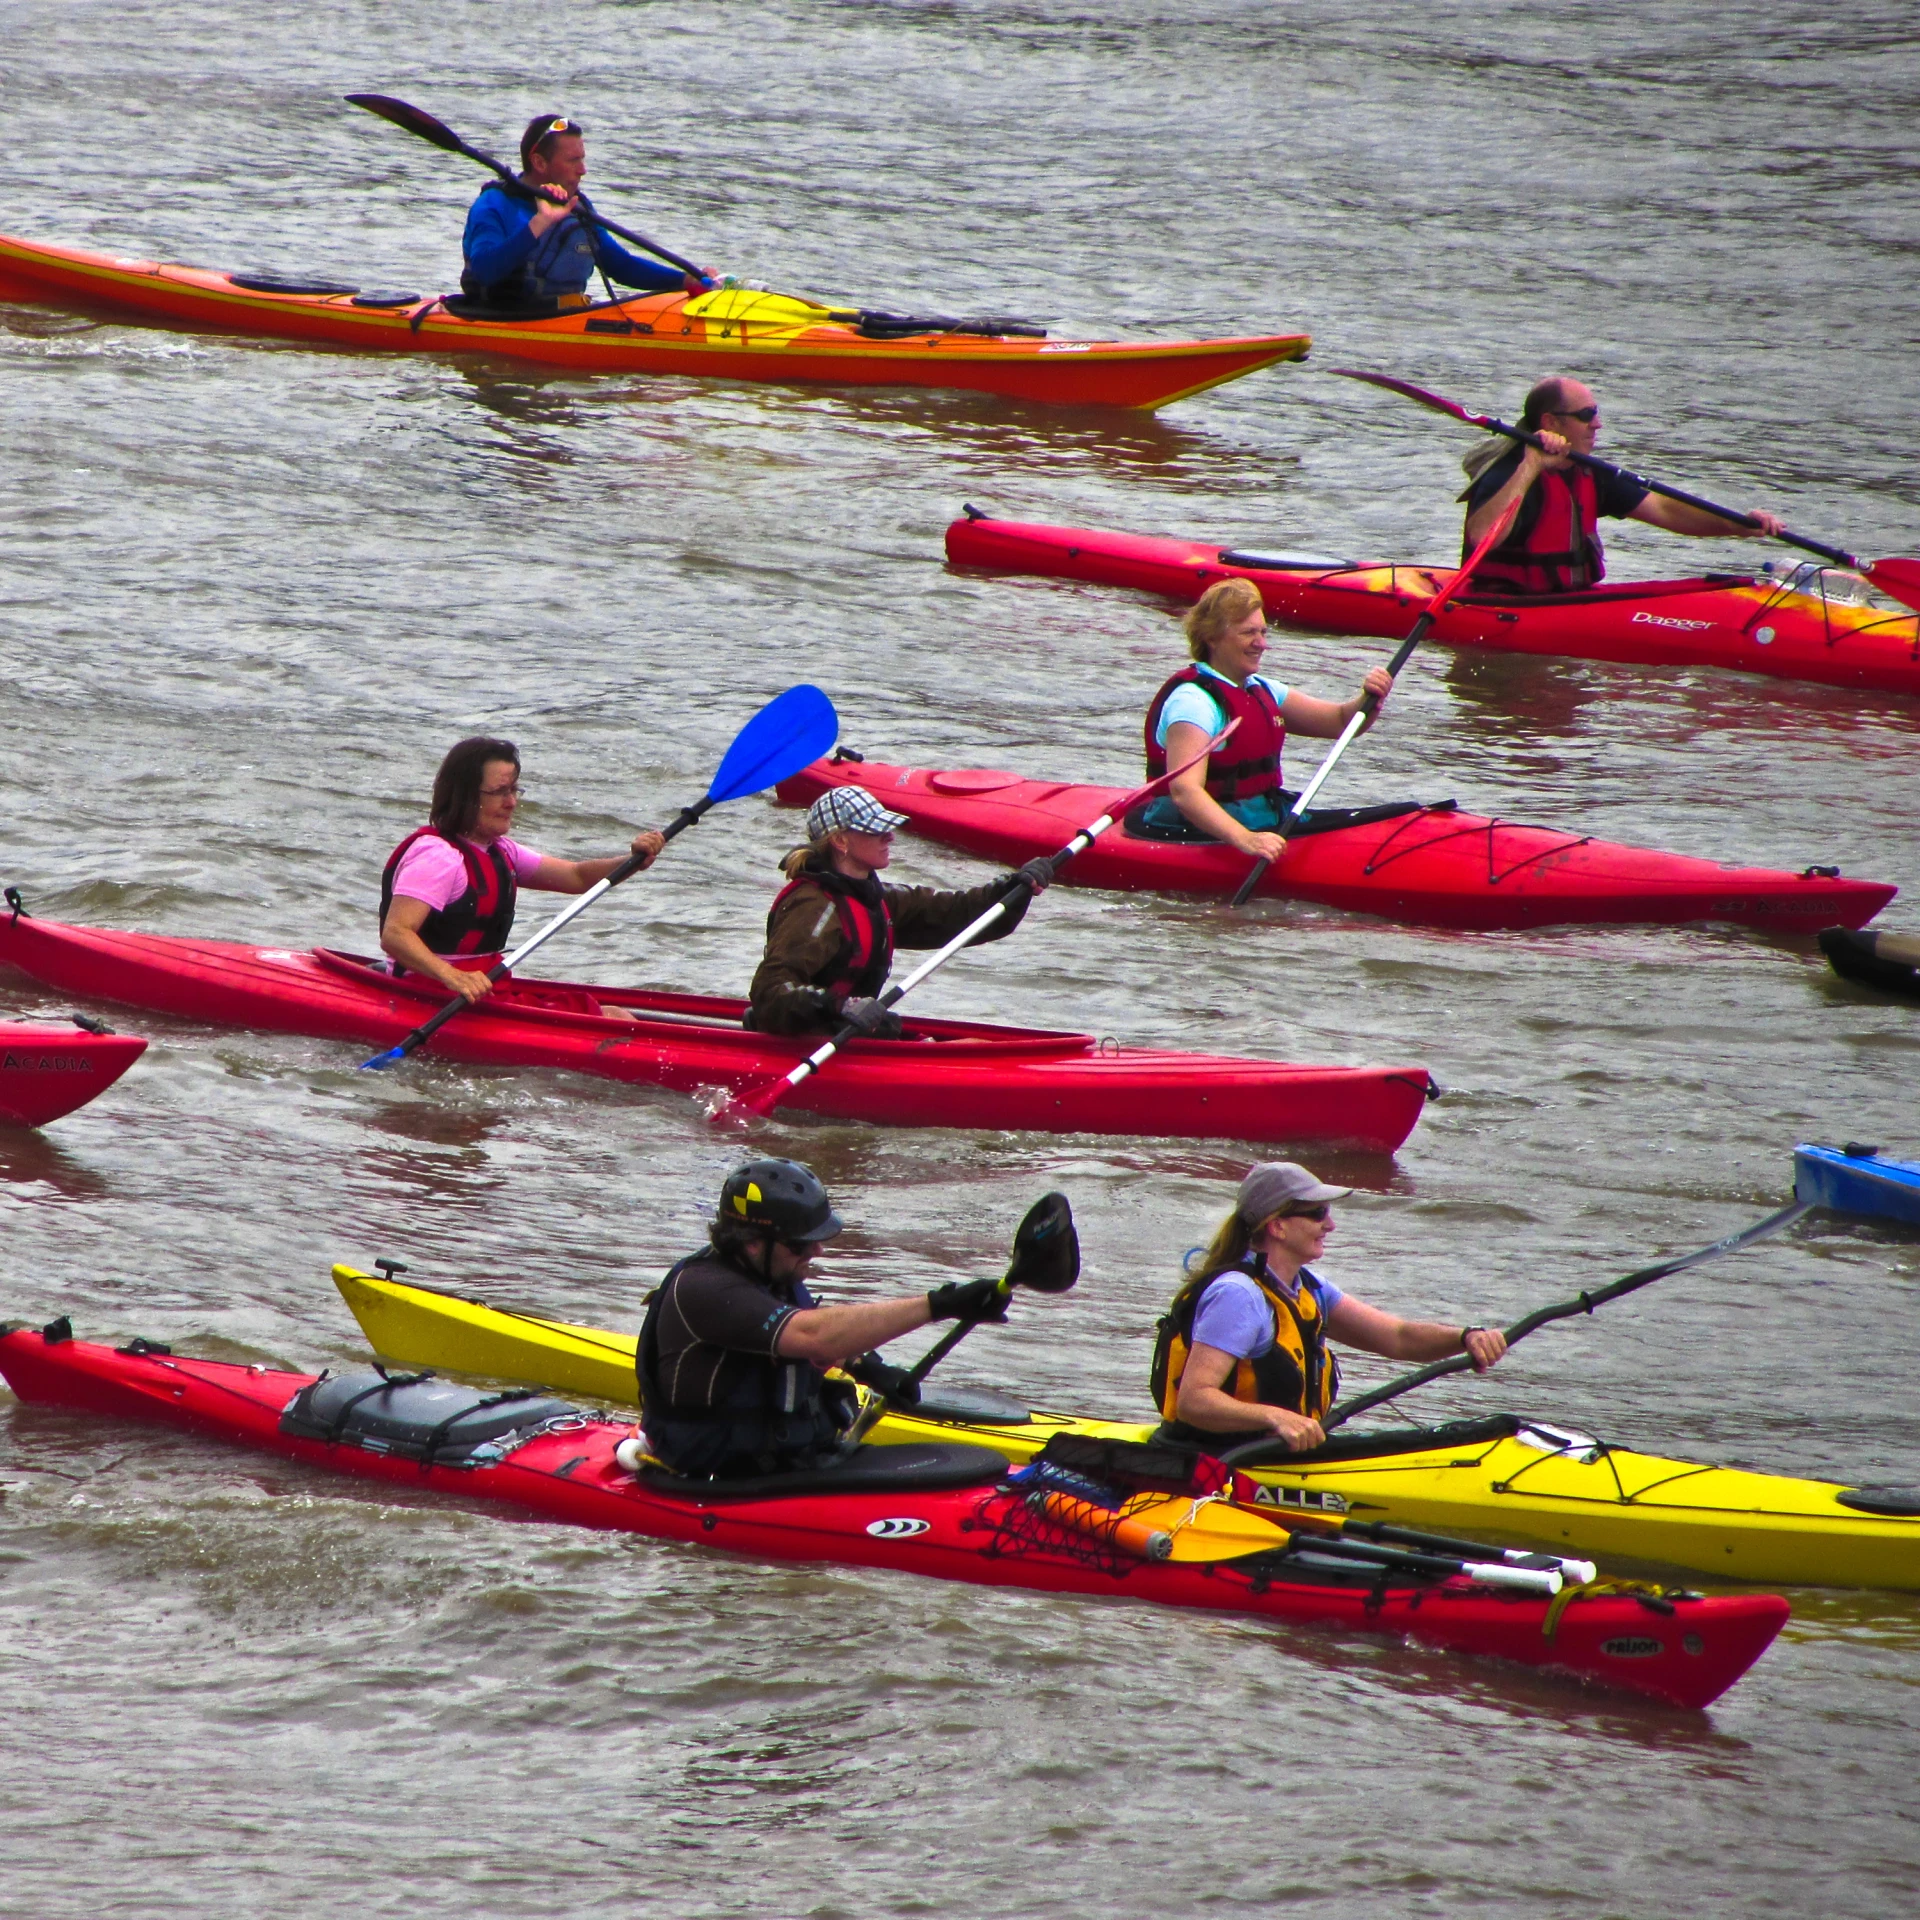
(1554, 546)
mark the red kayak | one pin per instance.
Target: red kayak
(944, 1073)
(46, 1072)
(1433, 865)
(1813, 624)
(947, 1512)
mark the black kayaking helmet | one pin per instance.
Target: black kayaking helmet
(778, 1198)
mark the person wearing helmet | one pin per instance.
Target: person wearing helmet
(1243, 1351)
(734, 1349)
(833, 927)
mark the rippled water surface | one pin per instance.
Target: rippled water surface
(250, 591)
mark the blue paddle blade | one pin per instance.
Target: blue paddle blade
(787, 734)
(381, 1061)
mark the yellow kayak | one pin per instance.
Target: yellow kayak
(1502, 1477)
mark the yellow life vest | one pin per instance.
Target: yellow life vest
(1298, 1372)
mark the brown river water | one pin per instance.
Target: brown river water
(250, 591)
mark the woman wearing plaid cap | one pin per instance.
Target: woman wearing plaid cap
(833, 927)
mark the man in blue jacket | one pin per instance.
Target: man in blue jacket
(539, 252)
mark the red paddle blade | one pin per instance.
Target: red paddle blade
(1901, 578)
(1438, 402)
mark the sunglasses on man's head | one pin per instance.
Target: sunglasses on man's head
(1588, 414)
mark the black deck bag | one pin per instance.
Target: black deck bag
(417, 1417)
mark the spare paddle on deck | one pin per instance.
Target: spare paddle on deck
(768, 1097)
(1046, 1259)
(1901, 578)
(438, 133)
(1369, 706)
(789, 732)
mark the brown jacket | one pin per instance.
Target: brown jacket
(806, 944)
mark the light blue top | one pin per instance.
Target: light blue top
(1234, 1315)
(1192, 705)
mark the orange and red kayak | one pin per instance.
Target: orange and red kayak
(1812, 623)
(733, 333)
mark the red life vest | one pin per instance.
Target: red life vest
(482, 918)
(1554, 546)
(865, 956)
(1255, 766)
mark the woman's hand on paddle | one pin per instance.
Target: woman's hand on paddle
(648, 844)
(1379, 683)
(468, 984)
(704, 281)
(1483, 1346)
(1299, 1433)
(1261, 846)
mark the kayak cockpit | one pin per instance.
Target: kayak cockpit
(627, 1013)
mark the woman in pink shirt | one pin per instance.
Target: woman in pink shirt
(449, 888)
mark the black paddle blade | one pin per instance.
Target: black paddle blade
(416, 122)
(1046, 1250)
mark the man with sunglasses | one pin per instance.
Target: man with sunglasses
(539, 253)
(1243, 1349)
(734, 1349)
(1554, 543)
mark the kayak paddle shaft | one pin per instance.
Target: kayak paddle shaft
(1566, 1309)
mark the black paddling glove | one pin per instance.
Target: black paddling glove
(968, 1301)
(894, 1384)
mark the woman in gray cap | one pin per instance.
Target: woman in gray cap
(1243, 1349)
(833, 927)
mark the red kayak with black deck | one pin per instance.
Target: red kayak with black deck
(945, 1512)
(1811, 623)
(46, 1072)
(1430, 865)
(943, 1073)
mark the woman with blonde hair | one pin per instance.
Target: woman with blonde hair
(1243, 1349)
(1235, 794)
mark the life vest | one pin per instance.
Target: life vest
(558, 268)
(482, 918)
(774, 1414)
(864, 958)
(1298, 1372)
(1255, 766)
(1554, 545)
